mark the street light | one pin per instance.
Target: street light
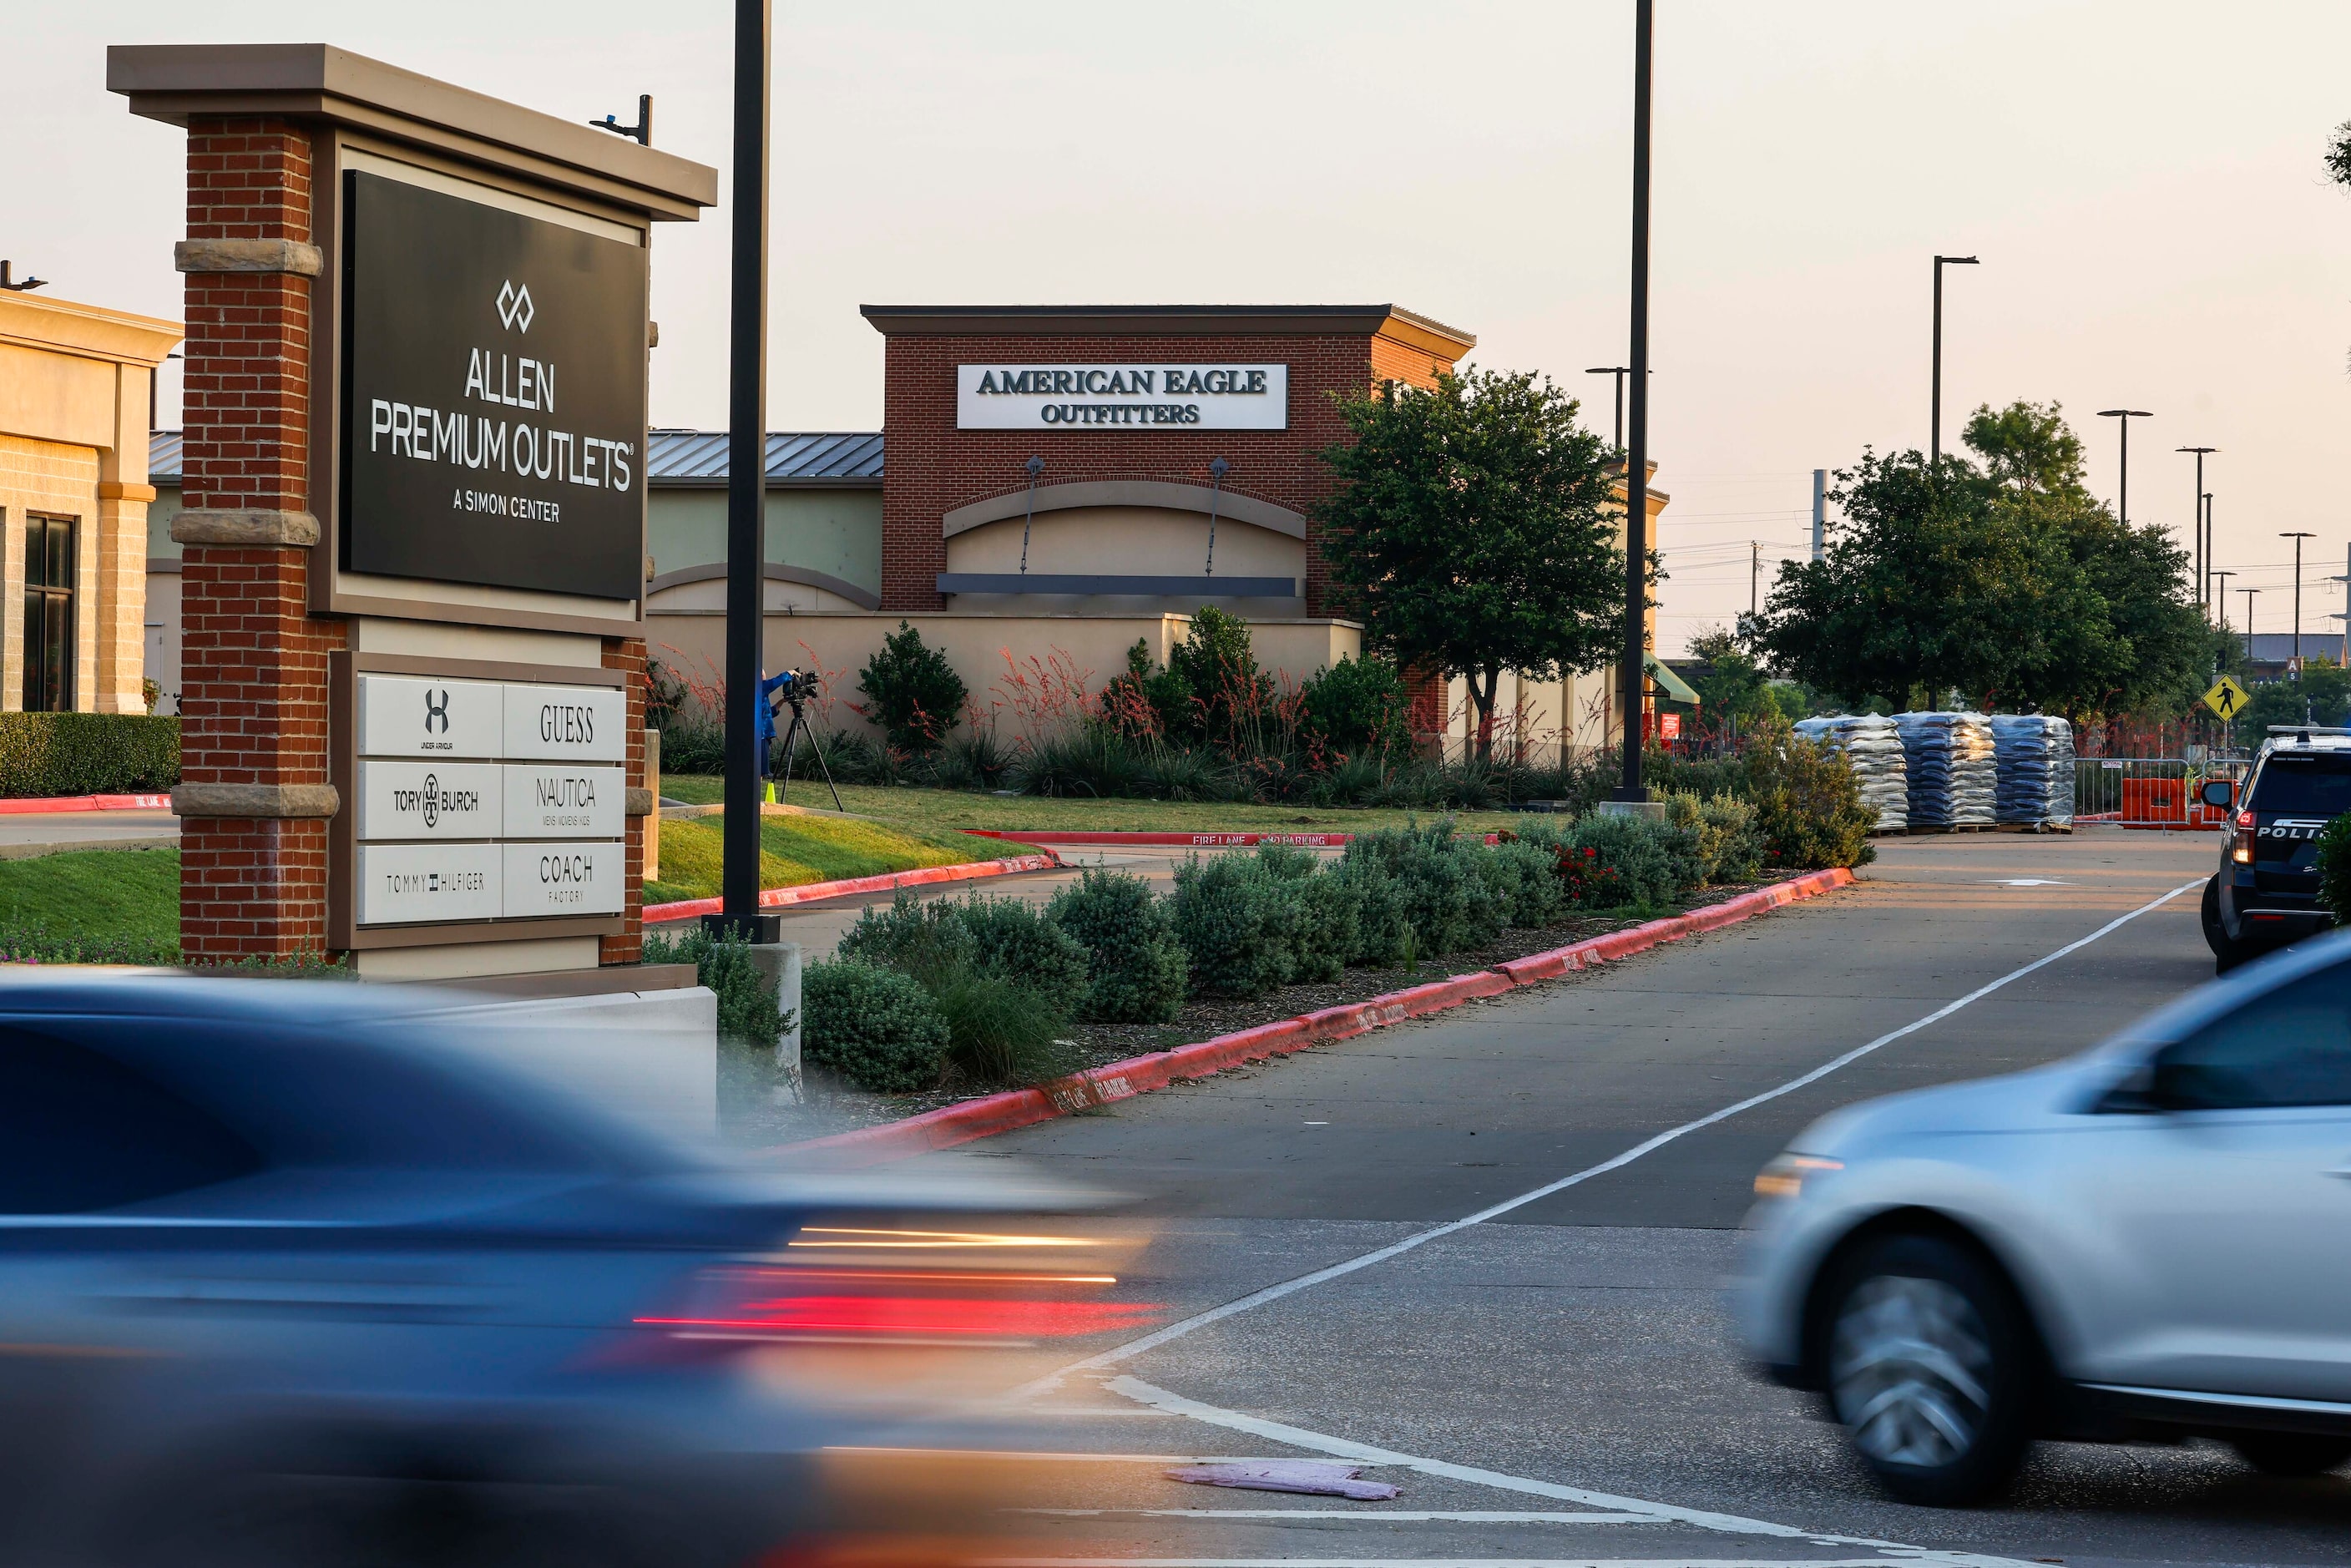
(1632, 677)
(2297, 536)
(2196, 523)
(2206, 596)
(1935, 410)
(2122, 505)
(2249, 593)
(2224, 577)
(1620, 372)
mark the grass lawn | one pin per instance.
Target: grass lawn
(796, 850)
(947, 810)
(133, 894)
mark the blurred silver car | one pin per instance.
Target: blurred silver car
(294, 1272)
(2149, 1241)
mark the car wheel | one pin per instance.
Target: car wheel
(2227, 953)
(2291, 1453)
(1930, 1370)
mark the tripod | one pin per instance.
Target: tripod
(792, 733)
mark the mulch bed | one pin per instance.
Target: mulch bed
(830, 1104)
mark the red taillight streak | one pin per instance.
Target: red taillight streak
(2244, 819)
(925, 1315)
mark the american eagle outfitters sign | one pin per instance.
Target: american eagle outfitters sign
(1154, 396)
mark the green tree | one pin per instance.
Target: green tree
(1471, 531)
(911, 692)
(2325, 686)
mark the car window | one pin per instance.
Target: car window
(79, 1132)
(2303, 786)
(2291, 1046)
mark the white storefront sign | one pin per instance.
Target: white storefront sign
(411, 716)
(564, 879)
(411, 883)
(571, 724)
(431, 801)
(553, 800)
(1139, 395)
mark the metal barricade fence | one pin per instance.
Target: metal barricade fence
(2149, 791)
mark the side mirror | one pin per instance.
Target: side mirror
(2161, 1084)
(2219, 793)
(2132, 1095)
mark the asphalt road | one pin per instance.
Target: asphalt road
(1558, 1385)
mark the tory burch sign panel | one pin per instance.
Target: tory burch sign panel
(574, 723)
(565, 879)
(554, 800)
(431, 801)
(411, 883)
(408, 715)
(494, 408)
(1133, 396)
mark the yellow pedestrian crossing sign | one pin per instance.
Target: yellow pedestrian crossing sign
(2225, 697)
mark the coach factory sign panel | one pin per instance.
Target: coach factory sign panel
(1149, 396)
(488, 800)
(494, 396)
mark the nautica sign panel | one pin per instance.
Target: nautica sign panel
(1141, 396)
(494, 395)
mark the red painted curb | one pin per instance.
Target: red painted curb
(1172, 841)
(992, 1113)
(51, 803)
(809, 892)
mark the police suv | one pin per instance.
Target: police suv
(2266, 893)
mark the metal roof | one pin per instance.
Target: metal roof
(690, 458)
(682, 458)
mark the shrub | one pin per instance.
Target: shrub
(749, 1011)
(1359, 705)
(1638, 855)
(1318, 912)
(1807, 803)
(1002, 1032)
(926, 938)
(45, 754)
(1181, 773)
(1730, 846)
(1234, 923)
(37, 945)
(911, 692)
(1383, 933)
(875, 1026)
(2335, 870)
(1446, 899)
(1021, 943)
(691, 745)
(1528, 875)
(975, 759)
(1136, 967)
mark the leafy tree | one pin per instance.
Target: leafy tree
(1359, 705)
(1471, 531)
(2325, 685)
(911, 691)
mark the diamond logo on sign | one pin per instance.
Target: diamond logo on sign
(514, 305)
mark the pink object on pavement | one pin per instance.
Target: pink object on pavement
(43, 805)
(1318, 1477)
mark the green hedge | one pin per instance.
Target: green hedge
(87, 753)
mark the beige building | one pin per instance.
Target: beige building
(74, 387)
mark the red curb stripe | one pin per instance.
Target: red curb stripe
(1173, 841)
(44, 805)
(992, 1113)
(809, 892)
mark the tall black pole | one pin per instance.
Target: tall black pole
(2297, 536)
(1637, 457)
(2208, 558)
(2195, 526)
(1935, 395)
(746, 465)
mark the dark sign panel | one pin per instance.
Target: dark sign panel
(494, 396)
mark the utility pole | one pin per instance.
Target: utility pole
(1820, 513)
(746, 473)
(2122, 504)
(1935, 399)
(2297, 536)
(2249, 593)
(2196, 524)
(1633, 675)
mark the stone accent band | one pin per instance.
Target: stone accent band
(210, 525)
(641, 802)
(290, 255)
(255, 802)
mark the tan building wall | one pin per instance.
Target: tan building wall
(73, 444)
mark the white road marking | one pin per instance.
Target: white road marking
(2026, 882)
(1894, 1562)
(1142, 1393)
(1371, 1511)
(1173, 1331)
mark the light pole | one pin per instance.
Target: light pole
(2224, 577)
(2122, 504)
(746, 460)
(1636, 458)
(2207, 594)
(2196, 523)
(1620, 372)
(1935, 400)
(1754, 574)
(2297, 536)
(2249, 593)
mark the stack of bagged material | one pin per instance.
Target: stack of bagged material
(1873, 747)
(1954, 771)
(2036, 769)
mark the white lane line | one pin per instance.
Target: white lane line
(1378, 1515)
(1901, 1562)
(1142, 1393)
(1135, 1347)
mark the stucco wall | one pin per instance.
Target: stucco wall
(837, 532)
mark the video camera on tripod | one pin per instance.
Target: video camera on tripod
(791, 688)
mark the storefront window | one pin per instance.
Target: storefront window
(48, 614)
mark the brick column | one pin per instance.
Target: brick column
(254, 795)
(628, 654)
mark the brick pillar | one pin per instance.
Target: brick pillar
(254, 795)
(1424, 696)
(628, 654)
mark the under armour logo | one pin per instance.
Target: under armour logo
(514, 307)
(436, 710)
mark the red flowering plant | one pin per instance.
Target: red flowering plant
(1590, 882)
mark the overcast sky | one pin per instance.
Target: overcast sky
(2140, 177)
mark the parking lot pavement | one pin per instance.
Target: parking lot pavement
(1572, 1355)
